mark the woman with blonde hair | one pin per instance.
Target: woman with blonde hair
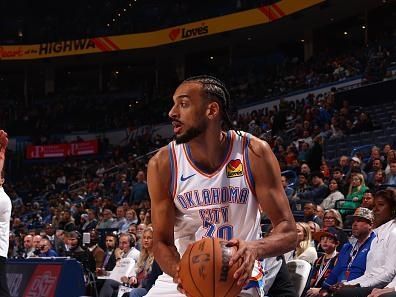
(357, 188)
(305, 250)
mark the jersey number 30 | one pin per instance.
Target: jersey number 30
(224, 231)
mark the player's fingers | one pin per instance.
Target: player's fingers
(238, 254)
(232, 242)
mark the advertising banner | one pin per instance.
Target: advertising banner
(62, 150)
(234, 21)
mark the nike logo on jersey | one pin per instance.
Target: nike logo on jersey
(186, 178)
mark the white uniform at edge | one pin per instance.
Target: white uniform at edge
(220, 204)
(237, 217)
(5, 214)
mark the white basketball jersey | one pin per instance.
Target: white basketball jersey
(221, 204)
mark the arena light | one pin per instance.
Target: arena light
(363, 27)
(345, 33)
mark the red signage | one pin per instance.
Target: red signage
(43, 281)
(62, 150)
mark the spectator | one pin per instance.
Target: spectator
(355, 194)
(288, 190)
(28, 246)
(126, 250)
(375, 166)
(352, 258)
(335, 195)
(37, 242)
(303, 185)
(305, 250)
(379, 270)
(142, 216)
(132, 229)
(319, 212)
(378, 180)
(46, 249)
(120, 219)
(319, 190)
(109, 261)
(91, 221)
(344, 164)
(333, 219)
(50, 233)
(139, 232)
(59, 242)
(96, 251)
(131, 219)
(76, 251)
(339, 177)
(107, 220)
(390, 157)
(368, 200)
(139, 189)
(310, 214)
(391, 176)
(146, 269)
(324, 264)
(67, 222)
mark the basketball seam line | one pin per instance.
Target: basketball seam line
(189, 270)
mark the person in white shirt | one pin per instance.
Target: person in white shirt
(381, 259)
(126, 244)
(5, 215)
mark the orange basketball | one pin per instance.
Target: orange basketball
(204, 269)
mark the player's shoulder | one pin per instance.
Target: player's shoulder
(160, 159)
(256, 145)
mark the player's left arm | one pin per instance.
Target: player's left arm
(274, 203)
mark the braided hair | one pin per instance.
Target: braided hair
(216, 90)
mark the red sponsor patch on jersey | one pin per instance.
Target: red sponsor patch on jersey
(234, 168)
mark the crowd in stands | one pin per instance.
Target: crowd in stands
(115, 110)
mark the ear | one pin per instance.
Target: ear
(213, 110)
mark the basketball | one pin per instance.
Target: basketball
(204, 269)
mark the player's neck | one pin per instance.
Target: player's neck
(209, 149)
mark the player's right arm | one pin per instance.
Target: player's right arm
(162, 213)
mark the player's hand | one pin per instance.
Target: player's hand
(379, 292)
(177, 280)
(124, 279)
(248, 254)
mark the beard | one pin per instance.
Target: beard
(191, 133)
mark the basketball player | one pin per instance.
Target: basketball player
(210, 182)
(5, 214)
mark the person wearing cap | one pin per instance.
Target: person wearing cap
(319, 189)
(356, 167)
(357, 188)
(322, 267)
(381, 259)
(352, 258)
(303, 185)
